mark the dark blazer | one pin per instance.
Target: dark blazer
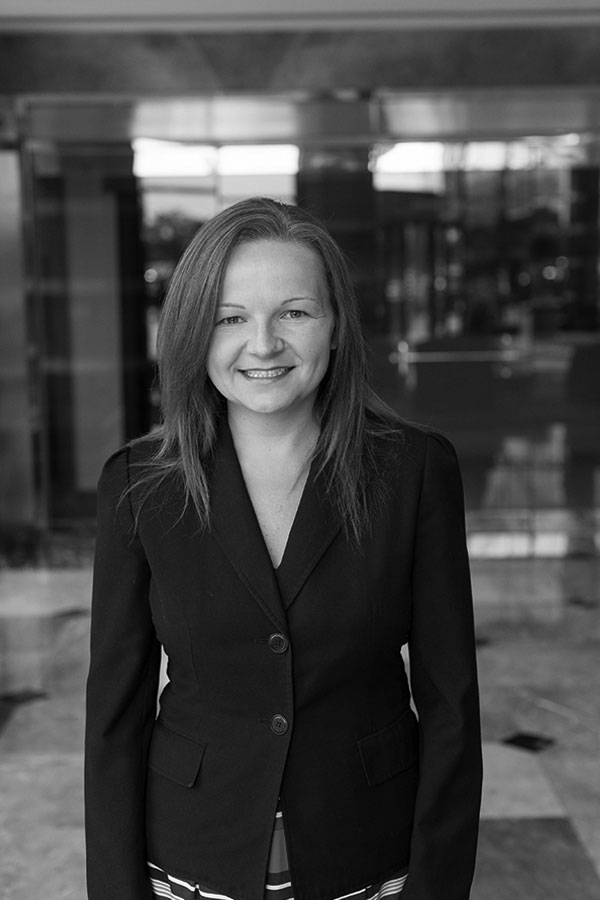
(284, 683)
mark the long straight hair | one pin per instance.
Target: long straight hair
(348, 413)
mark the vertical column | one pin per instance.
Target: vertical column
(17, 499)
(94, 325)
(89, 273)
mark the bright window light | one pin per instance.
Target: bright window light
(492, 545)
(258, 159)
(168, 159)
(519, 155)
(485, 156)
(418, 157)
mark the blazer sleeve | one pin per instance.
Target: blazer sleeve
(121, 697)
(444, 685)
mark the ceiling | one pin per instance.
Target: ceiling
(113, 15)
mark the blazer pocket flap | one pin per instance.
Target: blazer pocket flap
(175, 755)
(390, 750)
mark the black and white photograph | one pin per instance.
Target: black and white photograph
(300, 450)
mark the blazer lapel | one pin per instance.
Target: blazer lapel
(314, 528)
(235, 527)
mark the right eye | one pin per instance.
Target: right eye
(229, 320)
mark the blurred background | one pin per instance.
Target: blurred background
(452, 147)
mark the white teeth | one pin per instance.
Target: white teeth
(264, 373)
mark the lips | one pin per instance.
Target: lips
(266, 374)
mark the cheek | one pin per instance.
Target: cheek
(321, 354)
(220, 353)
(323, 345)
(215, 362)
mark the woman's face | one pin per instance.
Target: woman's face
(274, 327)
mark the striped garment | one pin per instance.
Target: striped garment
(278, 885)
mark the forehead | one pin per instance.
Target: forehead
(277, 265)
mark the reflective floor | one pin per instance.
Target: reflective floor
(538, 626)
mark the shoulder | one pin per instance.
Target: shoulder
(427, 468)
(406, 442)
(120, 468)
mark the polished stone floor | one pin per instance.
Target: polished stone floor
(538, 627)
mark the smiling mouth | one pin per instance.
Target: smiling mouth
(266, 374)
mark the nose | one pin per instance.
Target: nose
(264, 341)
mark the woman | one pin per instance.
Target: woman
(282, 537)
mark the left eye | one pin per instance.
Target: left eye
(294, 314)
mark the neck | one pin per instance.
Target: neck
(270, 437)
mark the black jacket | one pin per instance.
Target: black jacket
(284, 683)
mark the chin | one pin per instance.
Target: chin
(269, 410)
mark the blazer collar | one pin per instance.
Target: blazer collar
(236, 528)
(314, 528)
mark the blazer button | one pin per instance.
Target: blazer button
(278, 643)
(279, 724)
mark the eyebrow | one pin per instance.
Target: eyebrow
(295, 299)
(289, 300)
